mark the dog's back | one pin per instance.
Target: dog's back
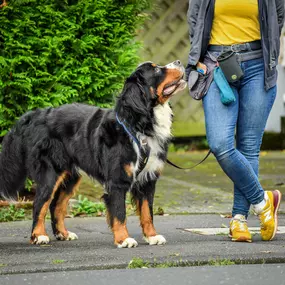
(41, 139)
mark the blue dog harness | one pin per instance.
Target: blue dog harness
(143, 146)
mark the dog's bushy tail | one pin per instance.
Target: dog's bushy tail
(12, 167)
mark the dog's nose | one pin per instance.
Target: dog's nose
(177, 62)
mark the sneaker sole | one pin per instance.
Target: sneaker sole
(241, 239)
(276, 202)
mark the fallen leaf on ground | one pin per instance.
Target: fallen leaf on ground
(227, 216)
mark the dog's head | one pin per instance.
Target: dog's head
(149, 86)
(161, 81)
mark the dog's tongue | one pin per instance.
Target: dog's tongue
(169, 90)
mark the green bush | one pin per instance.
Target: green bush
(62, 51)
(11, 213)
(87, 207)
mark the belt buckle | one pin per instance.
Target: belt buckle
(240, 47)
(233, 48)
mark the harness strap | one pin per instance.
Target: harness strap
(144, 148)
(176, 166)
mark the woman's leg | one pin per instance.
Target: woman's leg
(255, 104)
(221, 122)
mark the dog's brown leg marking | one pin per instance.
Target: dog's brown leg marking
(61, 209)
(39, 229)
(4, 4)
(120, 231)
(146, 219)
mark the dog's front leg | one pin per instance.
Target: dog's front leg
(116, 216)
(143, 195)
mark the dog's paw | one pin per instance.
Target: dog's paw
(128, 242)
(155, 240)
(69, 236)
(40, 240)
(72, 236)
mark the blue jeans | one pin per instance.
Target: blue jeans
(246, 118)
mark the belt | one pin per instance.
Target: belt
(255, 45)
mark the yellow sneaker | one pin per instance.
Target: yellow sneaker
(239, 230)
(268, 216)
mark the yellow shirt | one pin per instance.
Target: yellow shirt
(235, 22)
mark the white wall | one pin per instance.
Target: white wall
(278, 110)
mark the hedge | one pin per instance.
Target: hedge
(56, 52)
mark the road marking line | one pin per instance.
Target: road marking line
(225, 231)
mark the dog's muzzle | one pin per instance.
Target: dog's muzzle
(176, 65)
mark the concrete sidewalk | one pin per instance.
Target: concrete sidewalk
(95, 249)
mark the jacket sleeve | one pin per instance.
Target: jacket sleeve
(192, 14)
(280, 13)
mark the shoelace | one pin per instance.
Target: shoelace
(267, 215)
(242, 225)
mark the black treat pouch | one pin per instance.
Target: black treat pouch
(230, 66)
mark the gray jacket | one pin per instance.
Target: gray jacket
(271, 18)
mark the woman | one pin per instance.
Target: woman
(251, 28)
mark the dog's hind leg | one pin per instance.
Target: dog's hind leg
(116, 215)
(143, 197)
(58, 207)
(47, 187)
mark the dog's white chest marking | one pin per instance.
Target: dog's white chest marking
(162, 133)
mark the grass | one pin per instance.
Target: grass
(140, 263)
(87, 207)
(11, 213)
(58, 261)
(221, 262)
(83, 207)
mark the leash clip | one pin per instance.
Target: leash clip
(143, 140)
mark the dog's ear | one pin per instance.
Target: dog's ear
(134, 105)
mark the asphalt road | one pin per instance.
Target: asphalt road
(95, 249)
(203, 275)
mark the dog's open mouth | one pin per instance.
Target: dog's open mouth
(170, 88)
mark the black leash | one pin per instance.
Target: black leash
(145, 150)
(185, 168)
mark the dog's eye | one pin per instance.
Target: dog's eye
(157, 70)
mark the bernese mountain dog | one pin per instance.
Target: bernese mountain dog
(123, 148)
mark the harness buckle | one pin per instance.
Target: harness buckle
(143, 140)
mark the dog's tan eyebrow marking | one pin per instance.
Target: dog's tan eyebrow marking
(129, 169)
(154, 65)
